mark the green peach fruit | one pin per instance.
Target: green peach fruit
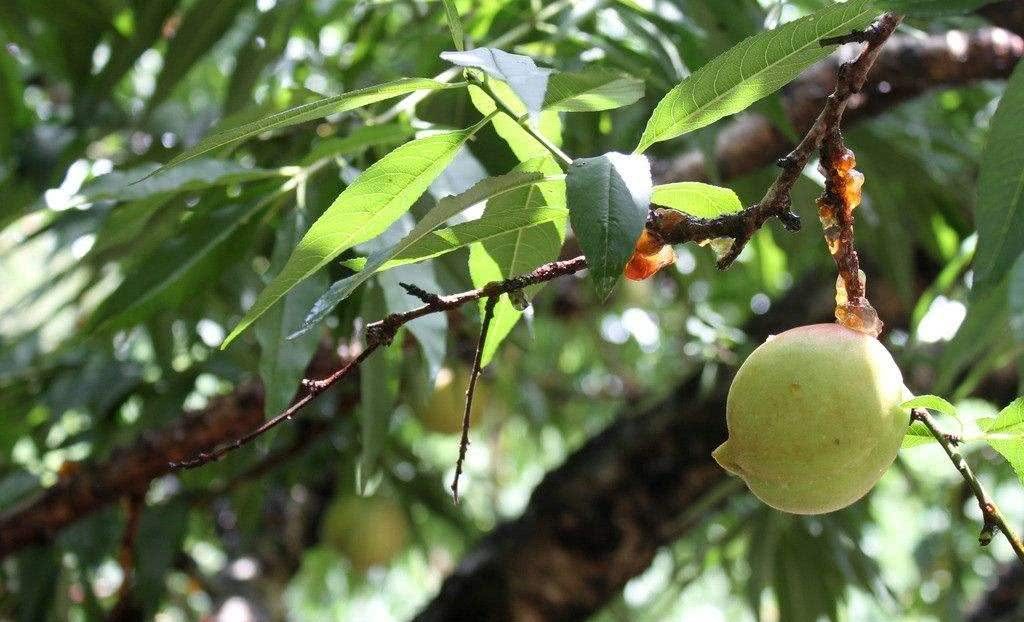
(369, 531)
(814, 418)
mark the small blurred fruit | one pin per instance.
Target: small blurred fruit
(369, 531)
(443, 410)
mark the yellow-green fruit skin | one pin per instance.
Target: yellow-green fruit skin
(814, 418)
(446, 407)
(369, 531)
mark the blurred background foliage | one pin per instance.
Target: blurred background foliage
(95, 93)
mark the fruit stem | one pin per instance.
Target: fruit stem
(992, 516)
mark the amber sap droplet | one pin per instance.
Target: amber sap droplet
(649, 256)
(852, 191)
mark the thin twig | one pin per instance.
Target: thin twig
(992, 517)
(381, 333)
(485, 324)
(674, 227)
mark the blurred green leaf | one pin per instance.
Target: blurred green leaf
(608, 198)
(263, 47)
(161, 534)
(376, 401)
(302, 114)
(931, 8)
(752, 69)
(175, 270)
(282, 362)
(451, 13)
(1000, 213)
(38, 570)
(200, 29)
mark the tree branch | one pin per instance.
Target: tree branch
(674, 227)
(992, 517)
(908, 65)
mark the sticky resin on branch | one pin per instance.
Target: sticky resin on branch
(650, 255)
(842, 195)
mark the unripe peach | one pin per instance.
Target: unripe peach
(444, 410)
(369, 531)
(814, 418)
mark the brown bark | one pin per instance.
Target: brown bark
(1002, 602)
(129, 470)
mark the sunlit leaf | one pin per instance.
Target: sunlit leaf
(451, 13)
(591, 90)
(516, 252)
(697, 199)
(1005, 434)
(365, 209)
(750, 70)
(445, 209)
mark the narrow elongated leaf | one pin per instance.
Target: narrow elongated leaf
(750, 70)
(173, 270)
(196, 175)
(376, 402)
(492, 224)
(527, 80)
(589, 91)
(931, 8)
(203, 25)
(1006, 435)
(362, 211)
(516, 252)
(302, 114)
(283, 363)
(524, 146)
(1000, 213)
(161, 533)
(263, 47)
(359, 140)
(1015, 298)
(608, 197)
(445, 209)
(451, 13)
(697, 199)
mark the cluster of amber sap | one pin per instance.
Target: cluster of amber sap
(650, 255)
(835, 209)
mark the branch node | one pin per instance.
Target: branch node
(417, 291)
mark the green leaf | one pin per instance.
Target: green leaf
(196, 175)
(445, 209)
(917, 434)
(376, 402)
(175, 269)
(493, 223)
(265, 44)
(306, 112)
(591, 90)
(451, 13)
(696, 199)
(527, 80)
(608, 198)
(38, 568)
(1000, 212)
(752, 69)
(359, 140)
(1015, 298)
(161, 534)
(516, 252)
(931, 8)
(362, 211)
(1005, 434)
(931, 402)
(203, 25)
(283, 363)
(524, 146)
